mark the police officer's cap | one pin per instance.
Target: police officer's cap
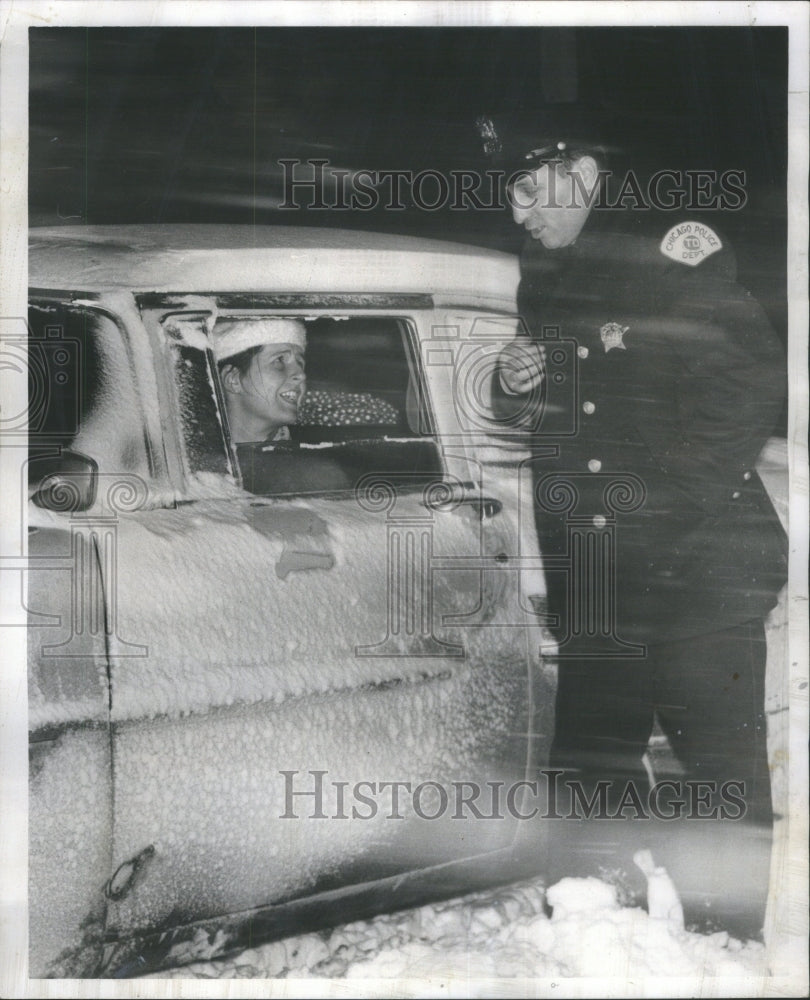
(561, 134)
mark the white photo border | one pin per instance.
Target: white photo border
(15, 19)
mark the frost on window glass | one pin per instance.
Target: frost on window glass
(64, 372)
(81, 388)
(203, 438)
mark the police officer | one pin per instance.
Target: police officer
(664, 554)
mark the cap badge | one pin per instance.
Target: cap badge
(611, 334)
(489, 135)
(690, 243)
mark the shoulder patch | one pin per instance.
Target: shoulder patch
(690, 243)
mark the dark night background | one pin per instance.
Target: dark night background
(187, 124)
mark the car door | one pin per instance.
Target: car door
(315, 651)
(77, 359)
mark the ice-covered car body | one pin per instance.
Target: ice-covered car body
(253, 710)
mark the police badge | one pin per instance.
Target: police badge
(611, 334)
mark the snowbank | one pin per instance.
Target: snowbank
(475, 945)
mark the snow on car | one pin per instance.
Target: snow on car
(270, 684)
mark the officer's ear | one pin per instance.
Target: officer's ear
(588, 170)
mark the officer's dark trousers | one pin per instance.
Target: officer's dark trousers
(708, 694)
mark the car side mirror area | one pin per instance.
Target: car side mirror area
(66, 482)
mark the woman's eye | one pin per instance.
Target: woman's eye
(283, 362)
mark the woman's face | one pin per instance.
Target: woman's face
(273, 385)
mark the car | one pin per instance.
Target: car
(279, 687)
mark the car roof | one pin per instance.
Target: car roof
(211, 258)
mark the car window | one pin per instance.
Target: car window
(363, 414)
(357, 376)
(81, 389)
(203, 432)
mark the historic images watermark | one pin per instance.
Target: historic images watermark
(318, 185)
(313, 794)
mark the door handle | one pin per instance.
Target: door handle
(485, 507)
(125, 874)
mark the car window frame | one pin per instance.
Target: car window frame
(237, 305)
(95, 303)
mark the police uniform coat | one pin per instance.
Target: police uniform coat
(673, 382)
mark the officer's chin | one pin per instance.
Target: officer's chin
(548, 237)
(554, 241)
(551, 241)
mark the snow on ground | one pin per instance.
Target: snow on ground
(576, 928)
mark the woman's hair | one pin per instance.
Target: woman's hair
(240, 361)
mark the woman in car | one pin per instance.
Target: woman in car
(261, 366)
(261, 369)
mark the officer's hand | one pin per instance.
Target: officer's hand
(522, 366)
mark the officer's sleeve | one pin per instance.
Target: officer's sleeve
(730, 391)
(523, 411)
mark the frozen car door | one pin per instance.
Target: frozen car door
(85, 439)
(301, 679)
